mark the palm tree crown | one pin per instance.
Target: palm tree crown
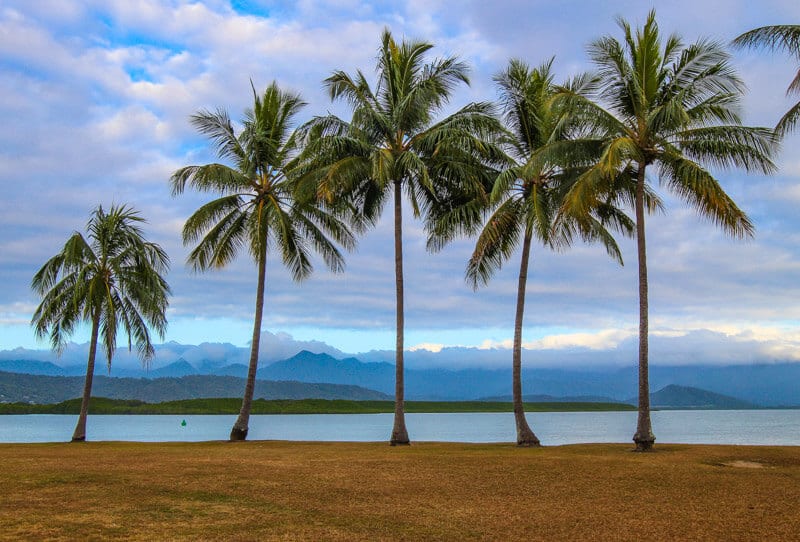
(784, 37)
(674, 107)
(113, 274)
(110, 278)
(260, 205)
(394, 144)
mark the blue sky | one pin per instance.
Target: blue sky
(96, 100)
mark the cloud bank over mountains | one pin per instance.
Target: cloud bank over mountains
(667, 348)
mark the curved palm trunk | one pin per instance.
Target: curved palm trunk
(240, 427)
(399, 432)
(525, 436)
(644, 437)
(79, 435)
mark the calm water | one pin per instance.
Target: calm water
(552, 428)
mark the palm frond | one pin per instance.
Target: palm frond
(496, 243)
(700, 189)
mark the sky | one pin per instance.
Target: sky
(96, 100)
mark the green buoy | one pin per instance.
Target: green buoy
(183, 423)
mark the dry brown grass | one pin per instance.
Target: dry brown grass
(370, 491)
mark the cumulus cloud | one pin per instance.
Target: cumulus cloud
(273, 347)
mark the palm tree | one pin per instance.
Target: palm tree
(259, 207)
(675, 108)
(393, 144)
(527, 196)
(785, 37)
(110, 278)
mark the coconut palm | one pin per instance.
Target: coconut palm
(393, 144)
(667, 108)
(110, 278)
(785, 37)
(259, 207)
(526, 196)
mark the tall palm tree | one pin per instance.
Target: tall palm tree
(526, 196)
(784, 37)
(669, 109)
(393, 144)
(110, 278)
(259, 207)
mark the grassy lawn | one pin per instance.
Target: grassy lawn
(269, 490)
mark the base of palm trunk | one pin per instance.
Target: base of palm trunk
(644, 443)
(237, 433)
(399, 439)
(78, 439)
(528, 442)
(525, 435)
(399, 432)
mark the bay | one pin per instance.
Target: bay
(761, 427)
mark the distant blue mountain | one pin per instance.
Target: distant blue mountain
(306, 366)
(175, 369)
(32, 367)
(775, 384)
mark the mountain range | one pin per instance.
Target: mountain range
(761, 384)
(17, 387)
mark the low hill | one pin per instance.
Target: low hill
(686, 397)
(16, 387)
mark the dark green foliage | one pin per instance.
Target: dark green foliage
(101, 405)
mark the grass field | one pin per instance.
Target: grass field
(369, 491)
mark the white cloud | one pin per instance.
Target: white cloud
(430, 347)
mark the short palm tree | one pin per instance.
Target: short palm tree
(785, 37)
(111, 277)
(669, 109)
(526, 196)
(259, 207)
(393, 144)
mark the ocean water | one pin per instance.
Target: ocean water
(761, 427)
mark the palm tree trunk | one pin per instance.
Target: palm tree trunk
(644, 437)
(240, 427)
(525, 436)
(399, 432)
(79, 435)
